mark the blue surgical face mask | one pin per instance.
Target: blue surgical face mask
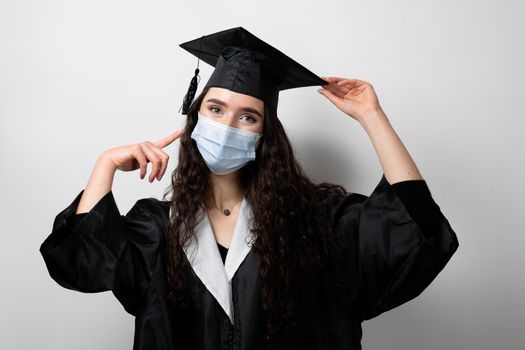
(223, 148)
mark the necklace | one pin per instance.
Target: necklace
(226, 212)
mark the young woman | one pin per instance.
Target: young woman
(248, 253)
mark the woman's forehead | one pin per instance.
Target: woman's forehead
(234, 99)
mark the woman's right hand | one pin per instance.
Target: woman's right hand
(134, 156)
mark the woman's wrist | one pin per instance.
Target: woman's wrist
(105, 163)
(373, 119)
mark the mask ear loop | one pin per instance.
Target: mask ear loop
(192, 89)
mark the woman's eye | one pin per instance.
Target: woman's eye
(213, 107)
(251, 118)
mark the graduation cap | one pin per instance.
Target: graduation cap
(246, 64)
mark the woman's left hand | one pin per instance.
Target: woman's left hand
(356, 98)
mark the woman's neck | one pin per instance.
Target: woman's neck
(226, 189)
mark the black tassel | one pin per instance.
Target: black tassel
(192, 89)
(188, 98)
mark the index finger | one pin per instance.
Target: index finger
(168, 139)
(351, 82)
(333, 80)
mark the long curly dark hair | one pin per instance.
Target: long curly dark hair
(293, 235)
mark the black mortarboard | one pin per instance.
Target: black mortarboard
(246, 64)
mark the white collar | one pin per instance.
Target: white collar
(206, 261)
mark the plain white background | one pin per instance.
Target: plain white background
(78, 77)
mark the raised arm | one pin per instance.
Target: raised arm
(358, 99)
(92, 247)
(398, 235)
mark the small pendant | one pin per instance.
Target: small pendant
(226, 212)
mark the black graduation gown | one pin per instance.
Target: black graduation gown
(396, 240)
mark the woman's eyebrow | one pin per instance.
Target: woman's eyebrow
(246, 109)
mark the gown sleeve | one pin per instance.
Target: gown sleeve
(103, 250)
(401, 241)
